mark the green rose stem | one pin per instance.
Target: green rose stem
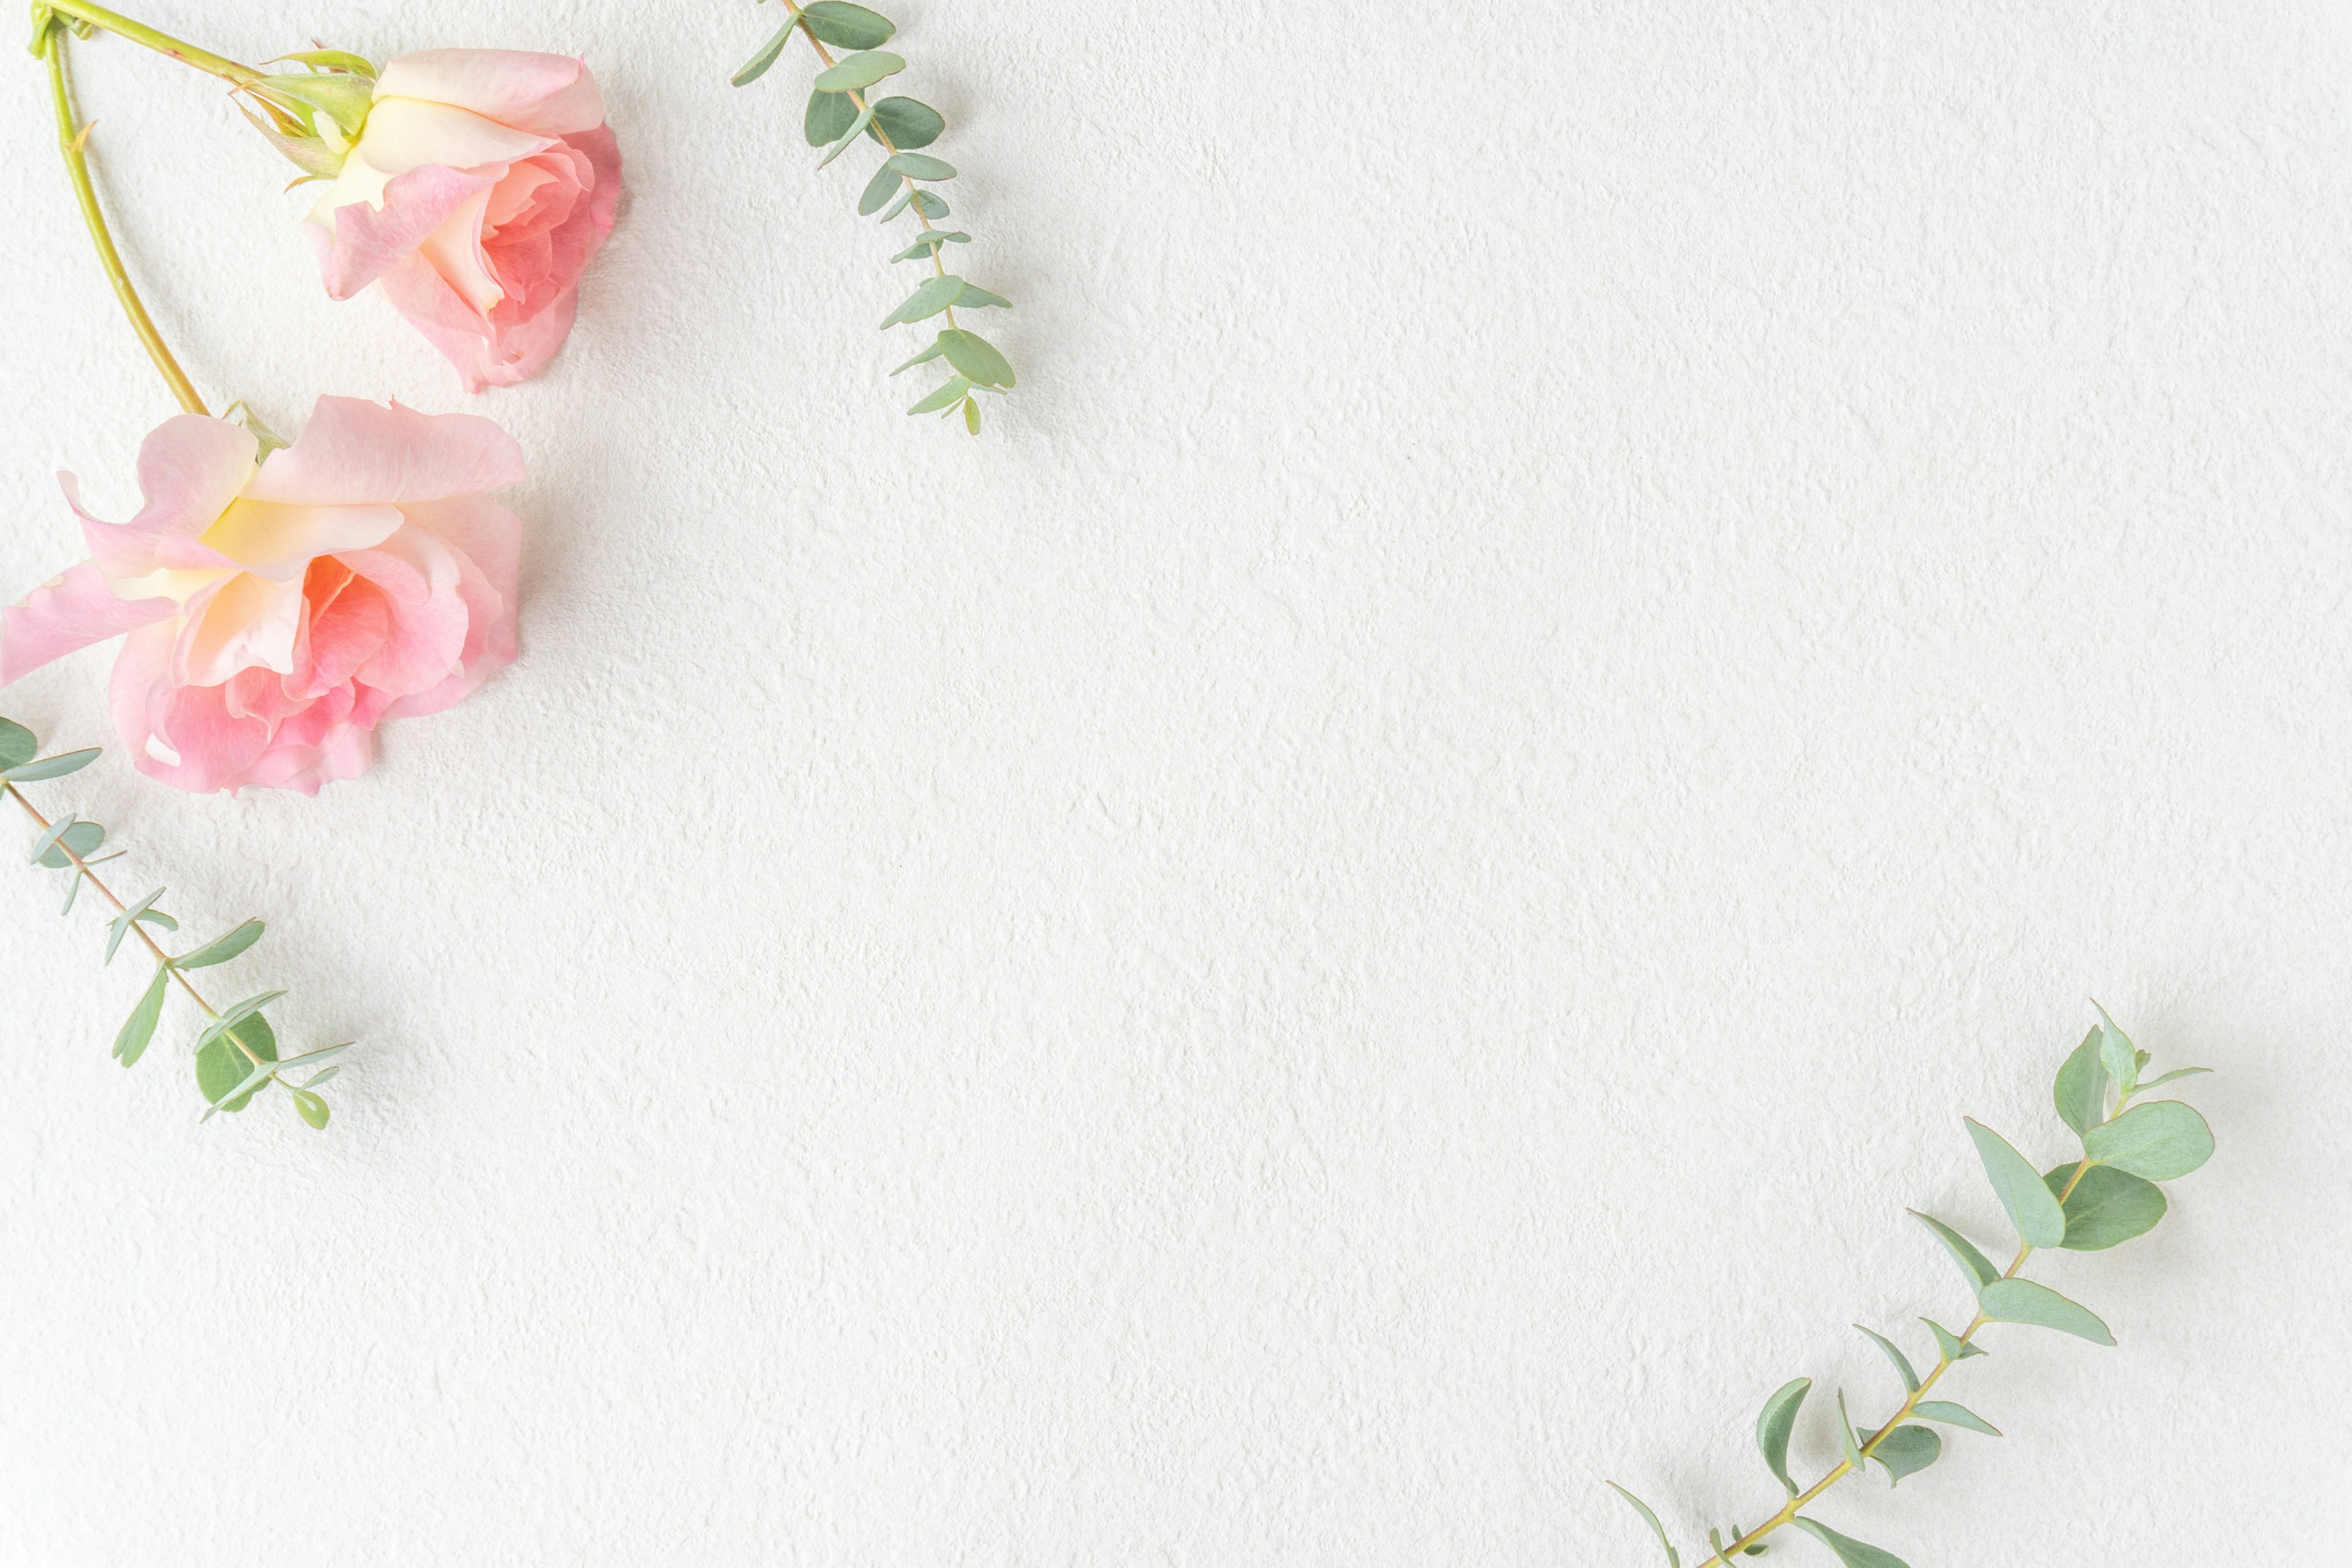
(137, 926)
(141, 33)
(906, 185)
(1846, 1467)
(69, 141)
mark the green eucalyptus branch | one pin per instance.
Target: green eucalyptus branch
(2108, 1196)
(236, 1051)
(839, 112)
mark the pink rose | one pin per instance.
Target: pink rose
(481, 183)
(277, 611)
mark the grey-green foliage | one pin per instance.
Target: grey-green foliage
(236, 1055)
(839, 113)
(2103, 1196)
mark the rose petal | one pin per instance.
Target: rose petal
(365, 242)
(190, 468)
(356, 453)
(71, 611)
(554, 94)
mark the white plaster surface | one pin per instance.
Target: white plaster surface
(1591, 621)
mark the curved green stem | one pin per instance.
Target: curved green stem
(162, 43)
(69, 141)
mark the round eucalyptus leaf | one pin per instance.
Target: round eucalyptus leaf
(847, 26)
(854, 72)
(2159, 1140)
(907, 122)
(2106, 1206)
(830, 116)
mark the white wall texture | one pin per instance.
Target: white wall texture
(1591, 621)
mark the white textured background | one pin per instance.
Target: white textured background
(1591, 621)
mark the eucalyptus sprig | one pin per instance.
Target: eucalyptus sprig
(839, 112)
(2109, 1196)
(235, 1051)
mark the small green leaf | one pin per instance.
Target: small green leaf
(847, 26)
(1674, 1558)
(971, 415)
(1907, 1451)
(17, 745)
(223, 1071)
(321, 1076)
(859, 70)
(314, 1108)
(2106, 1206)
(225, 948)
(865, 118)
(929, 204)
(2117, 1054)
(308, 1059)
(2023, 1301)
(1974, 1264)
(343, 98)
(2036, 1214)
(1774, 1423)
(1952, 1415)
(2081, 1092)
(1902, 1362)
(158, 918)
(934, 352)
(332, 60)
(921, 166)
(1852, 1552)
(930, 240)
(908, 123)
(81, 837)
(930, 298)
(122, 922)
(55, 767)
(241, 1094)
(877, 189)
(236, 1015)
(139, 1027)
(1951, 1346)
(940, 397)
(2162, 1078)
(830, 115)
(977, 297)
(1846, 1436)
(975, 356)
(2160, 1139)
(757, 65)
(906, 192)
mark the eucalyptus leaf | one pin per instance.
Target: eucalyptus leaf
(930, 240)
(921, 166)
(977, 297)
(2159, 1139)
(929, 204)
(55, 767)
(906, 192)
(139, 1027)
(940, 397)
(1852, 1552)
(1674, 1558)
(311, 1059)
(158, 918)
(323, 1076)
(82, 838)
(314, 1108)
(971, 415)
(930, 298)
(975, 356)
(1952, 1415)
(847, 26)
(2039, 1220)
(2162, 1078)
(1902, 1362)
(2107, 1206)
(1847, 1437)
(865, 118)
(223, 949)
(1974, 1264)
(863, 69)
(907, 122)
(757, 65)
(17, 745)
(1951, 1346)
(2081, 1092)
(1907, 1451)
(934, 352)
(830, 115)
(223, 1071)
(877, 189)
(2117, 1053)
(1775, 1422)
(2023, 1301)
(125, 921)
(236, 1015)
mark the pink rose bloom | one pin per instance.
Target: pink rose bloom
(277, 611)
(481, 183)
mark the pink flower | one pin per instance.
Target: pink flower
(275, 611)
(481, 183)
